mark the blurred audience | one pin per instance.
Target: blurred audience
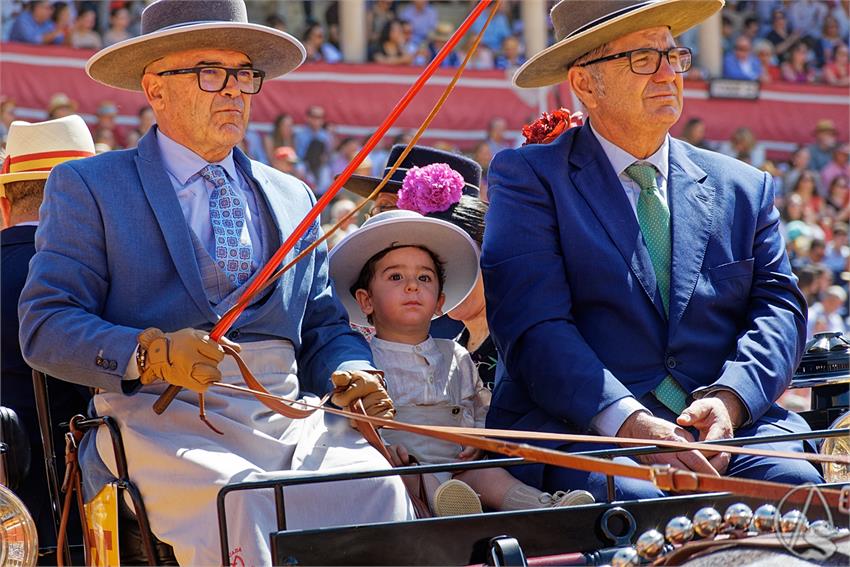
(119, 22)
(35, 25)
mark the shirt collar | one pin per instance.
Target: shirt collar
(183, 163)
(425, 346)
(621, 159)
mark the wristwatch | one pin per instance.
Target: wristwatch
(141, 358)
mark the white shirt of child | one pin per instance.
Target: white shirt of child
(432, 383)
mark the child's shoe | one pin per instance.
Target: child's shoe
(561, 499)
(456, 498)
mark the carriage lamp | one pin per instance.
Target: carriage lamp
(837, 472)
(18, 536)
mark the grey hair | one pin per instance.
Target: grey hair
(595, 72)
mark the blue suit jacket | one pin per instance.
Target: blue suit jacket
(572, 298)
(114, 256)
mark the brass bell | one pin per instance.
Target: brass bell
(706, 522)
(793, 521)
(679, 530)
(764, 518)
(650, 544)
(738, 516)
(625, 557)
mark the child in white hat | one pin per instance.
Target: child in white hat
(396, 273)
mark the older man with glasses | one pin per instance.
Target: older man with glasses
(637, 286)
(141, 252)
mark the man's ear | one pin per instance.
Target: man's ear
(152, 87)
(440, 302)
(364, 300)
(6, 211)
(583, 85)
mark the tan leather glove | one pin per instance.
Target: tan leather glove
(187, 358)
(366, 386)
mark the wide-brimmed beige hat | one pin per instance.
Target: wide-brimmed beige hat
(170, 26)
(583, 25)
(451, 244)
(32, 150)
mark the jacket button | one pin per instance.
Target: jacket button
(233, 335)
(99, 361)
(670, 362)
(113, 365)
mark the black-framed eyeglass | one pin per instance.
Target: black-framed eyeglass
(646, 61)
(214, 79)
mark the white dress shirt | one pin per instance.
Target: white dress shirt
(193, 191)
(608, 421)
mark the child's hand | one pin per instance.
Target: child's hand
(398, 455)
(469, 454)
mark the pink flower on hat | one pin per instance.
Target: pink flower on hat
(429, 189)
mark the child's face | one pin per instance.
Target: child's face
(404, 293)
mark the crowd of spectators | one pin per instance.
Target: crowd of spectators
(799, 41)
(767, 40)
(795, 41)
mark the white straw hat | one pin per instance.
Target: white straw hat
(455, 249)
(170, 26)
(32, 150)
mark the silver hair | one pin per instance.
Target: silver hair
(594, 70)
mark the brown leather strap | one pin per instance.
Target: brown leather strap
(779, 542)
(433, 430)
(664, 477)
(71, 484)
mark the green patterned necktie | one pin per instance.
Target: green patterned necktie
(654, 220)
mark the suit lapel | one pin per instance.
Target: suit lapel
(691, 199)
(595, 179)
(166, 208)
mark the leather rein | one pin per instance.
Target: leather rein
(663, 477)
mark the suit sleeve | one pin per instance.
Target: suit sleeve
(328, 343)
(769, 348)
(61, 331)
(528, 299)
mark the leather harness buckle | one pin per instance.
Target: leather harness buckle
(669, 479)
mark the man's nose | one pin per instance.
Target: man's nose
(665, 70)
(231, 86)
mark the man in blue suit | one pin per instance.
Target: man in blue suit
(140, 253)
(637, 286)
(21, 191)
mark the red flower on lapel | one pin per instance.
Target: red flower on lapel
(549, 126)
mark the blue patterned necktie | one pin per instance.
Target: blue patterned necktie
(654, 220)
(233, 250)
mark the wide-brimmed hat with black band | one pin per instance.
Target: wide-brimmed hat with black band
(419, 156)
(170, 26)
(583, 25)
